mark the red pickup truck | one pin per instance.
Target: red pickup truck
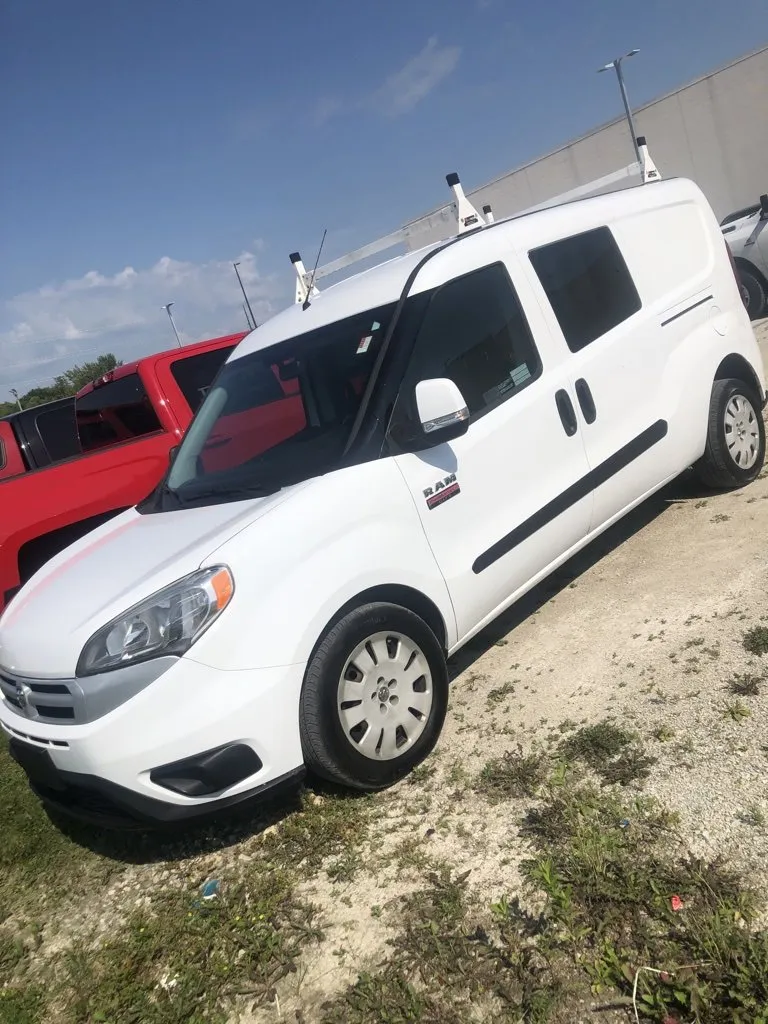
(126, 424)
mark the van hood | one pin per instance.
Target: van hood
(47, 624)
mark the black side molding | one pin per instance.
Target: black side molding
(687, 309)
(597, 476)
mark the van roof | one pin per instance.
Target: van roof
(196, 347)
(384, 283)
(368, 289)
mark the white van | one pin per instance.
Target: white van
(375, 475)
(746, 232)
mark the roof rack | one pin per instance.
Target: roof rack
(460, 216)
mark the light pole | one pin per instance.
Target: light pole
(15, 394)
(242, 289)
(167, 308)
(616, 65)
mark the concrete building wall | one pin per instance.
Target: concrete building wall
(714, 130)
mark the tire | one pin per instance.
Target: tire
(363, 654)
(730, 461)
(754, 293)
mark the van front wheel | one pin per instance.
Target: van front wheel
(374, 697)
(735, 450)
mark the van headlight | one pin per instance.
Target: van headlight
(168, 623)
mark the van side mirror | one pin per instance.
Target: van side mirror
(443, 412)
(764, 207)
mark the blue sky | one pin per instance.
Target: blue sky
(146, 145)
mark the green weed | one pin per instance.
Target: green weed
(756, 640)
(514, 774)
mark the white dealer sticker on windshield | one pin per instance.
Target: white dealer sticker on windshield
(366, 341)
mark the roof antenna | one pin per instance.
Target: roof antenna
(305, 291)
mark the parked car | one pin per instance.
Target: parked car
(72, 465)
(37, 437)
(747, 237)
(376, 474)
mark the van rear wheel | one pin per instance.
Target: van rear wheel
(755, 299)
(735, 450)
(374, 697)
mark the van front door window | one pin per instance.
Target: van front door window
(278, 415)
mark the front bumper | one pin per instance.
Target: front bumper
(150, 759)
(97, 801)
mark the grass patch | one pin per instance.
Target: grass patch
(756, 640)
(663, 734)
(623, 904)
(754, 816)
(179, 958)
(39, 865)
(453, 962)
(609, 872)
(500, 694)
(514, 774)
(735, 711)
(22, 1005)
(745, 685)
(324, 827)
(183, 959)
(615, 754)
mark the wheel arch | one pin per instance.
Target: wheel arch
(736, 366)
(394, 593)
(755, 271)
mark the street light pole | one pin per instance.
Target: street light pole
(167, 308)
(242, 289)
(616, 65)
(15, 394)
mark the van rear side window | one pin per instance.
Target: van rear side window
(114, 413)
(587, 283)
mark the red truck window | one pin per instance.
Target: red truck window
(195, 374)
(267, 410)
(114, 412)
(2, 454)
(58, 431)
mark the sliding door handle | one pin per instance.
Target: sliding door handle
(586, 401)
(567, 412)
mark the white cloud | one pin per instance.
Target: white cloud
(325, 108)
(401, 91)
(45, 331)
(404, 89)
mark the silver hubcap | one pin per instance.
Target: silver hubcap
(741, 432)
(385, 696)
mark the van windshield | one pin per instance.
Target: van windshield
(278, 416)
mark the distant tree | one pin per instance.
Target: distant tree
(67, 383)
(70, 382)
